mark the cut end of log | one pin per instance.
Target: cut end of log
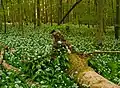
(95, 80)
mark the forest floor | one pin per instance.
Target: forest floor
(33, 50)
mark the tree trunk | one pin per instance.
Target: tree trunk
(112, 7)
(59, 10)
(89, 13)
(34, 14)
(85, 76)
(21, 18)
(99, 33)
(0, 15)
(38, 12)
(12, 14)
(79, 70)
(67, 18)
(74, 15)
(117, 26)
(18, 18)
(46, 11)
(95, 7)
(5, 26)
(43, 10)
(51, 12)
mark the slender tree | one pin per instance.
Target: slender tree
(59, 10)
(117, 26)
(0, 15)
(12, 13)
(25, 11)
(89, 13)
(104, 17)
(38, 12)
(46, 11)
(3, 7)
(100, 22)
(51, 12)
(67, 6)
(95, 7)
(43, 10)
(22, 16)
(34, 14)
(74, 14)
(19, 19)
(112, 7)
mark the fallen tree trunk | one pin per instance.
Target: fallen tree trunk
(79, 70)
(9, 67)
(85, 76)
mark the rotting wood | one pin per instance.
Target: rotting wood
(9, 67)
(84, 75)
(17, 71)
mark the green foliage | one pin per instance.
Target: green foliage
(33, 58)
(107, 65)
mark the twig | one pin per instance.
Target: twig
(100, 52)
(106, 51)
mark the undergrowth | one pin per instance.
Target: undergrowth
(33, 56)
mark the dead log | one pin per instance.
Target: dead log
(9, 67)
(79, 70)
(85, 76)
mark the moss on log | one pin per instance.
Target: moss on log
(85, 76)
(79, 70)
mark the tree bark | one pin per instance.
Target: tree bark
(89, 13)
(46, 11)
(51, 12)
(99, 34)
(19, 14)
(38, 13)
(5, 26)
(79, 70)
(117, 26)
(12, 14)
(43, 10)
(0, 15)
(85, 76)
(67, 18)
(59, 10)
(34, 14)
